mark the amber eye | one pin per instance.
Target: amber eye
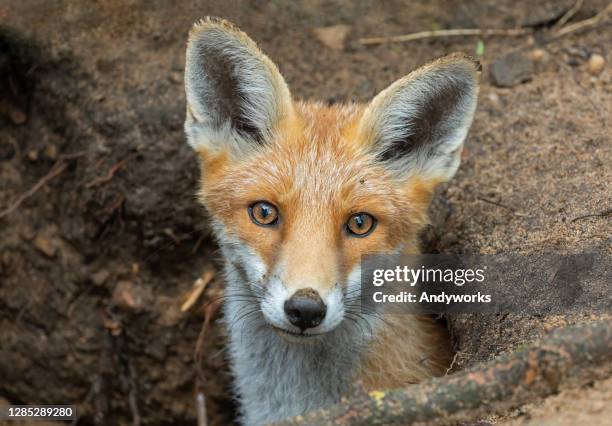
(361, 224)
(263, 213)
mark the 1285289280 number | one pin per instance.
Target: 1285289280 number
(23, 412)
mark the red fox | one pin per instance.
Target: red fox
(297, 193)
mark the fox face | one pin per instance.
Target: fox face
(298, 192)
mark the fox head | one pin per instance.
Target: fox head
(298, 192)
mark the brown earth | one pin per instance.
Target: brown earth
(95, 265)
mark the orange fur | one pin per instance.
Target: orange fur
(318, 165)
(317, 177)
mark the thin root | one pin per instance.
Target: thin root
(559, 30)
(57, 169)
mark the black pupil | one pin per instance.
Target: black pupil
(265, 211)
(360, 221)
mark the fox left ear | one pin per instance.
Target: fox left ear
(235, 94)
(418, 124)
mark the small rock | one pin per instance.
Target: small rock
(124, 295)
(597, 406)
(511, 69)
(113, 326)
(100, 277)
(495, 99)
(176, 77)
(127, 296)
(538, 55)
(51, 152)
(33, 155)
(45, 245)
(596, 64)
(333, 37)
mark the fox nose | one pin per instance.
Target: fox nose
(305, 309)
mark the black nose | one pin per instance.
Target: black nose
(305, 309)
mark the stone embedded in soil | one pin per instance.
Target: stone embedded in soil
(51, 152)
(176, 77)
(127, 296)
(33, 155)
(45, 245)
(538, 55)
(100, 277)
(511, 69)
(131, 296)
(596, 64)
(333, 37)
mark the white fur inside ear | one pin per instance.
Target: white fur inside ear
(419, 123)
(235, 94)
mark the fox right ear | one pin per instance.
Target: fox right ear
(235, 94)
(418, 124)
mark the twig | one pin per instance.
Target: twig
(559, 31)
(450, 367)
(495, 203)
(172, 236)
(591, 22)
(198, 243)
(513, 32)
(569, 14)
(605, 213)
(567, 357)
(201, 409)
(197, 289)
(108, 210)
(111, 172)
(132, 395)
(211, 311)
(56, 170)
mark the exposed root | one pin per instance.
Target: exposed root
(563, 357)
(57, 169)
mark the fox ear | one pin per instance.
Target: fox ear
(235, 94)
(418, 124)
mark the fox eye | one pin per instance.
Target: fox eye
(263, 213)
(361, 225)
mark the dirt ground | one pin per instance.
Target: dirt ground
(95, 264)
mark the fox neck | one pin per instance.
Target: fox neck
(275, 379)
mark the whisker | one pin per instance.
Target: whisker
(234, 321)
